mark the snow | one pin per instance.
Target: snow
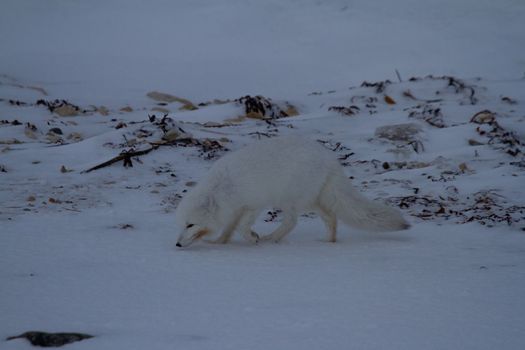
(429, 288)
(95, 252)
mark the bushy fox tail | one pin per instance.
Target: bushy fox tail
(349, 206)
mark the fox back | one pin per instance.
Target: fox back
(280, 172)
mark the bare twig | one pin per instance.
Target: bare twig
(399, 76)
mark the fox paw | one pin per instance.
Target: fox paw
(267, 238)
(254, 237)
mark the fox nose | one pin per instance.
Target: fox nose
(178, 245)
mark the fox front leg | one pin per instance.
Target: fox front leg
(236, 223)
(228, 231)
(245, 226)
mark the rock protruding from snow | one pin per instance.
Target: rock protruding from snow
(45, 339)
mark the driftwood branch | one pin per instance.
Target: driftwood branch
(208, 149)
(125, 156)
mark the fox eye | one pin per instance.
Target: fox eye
(190, 225)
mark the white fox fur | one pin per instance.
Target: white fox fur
(293, 174)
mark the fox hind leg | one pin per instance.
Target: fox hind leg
(246, 222)
(288, 223)
(330, 220)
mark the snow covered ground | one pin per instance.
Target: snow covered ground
(93, 251)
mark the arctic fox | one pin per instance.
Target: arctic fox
(293, 174)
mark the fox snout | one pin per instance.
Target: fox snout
(191, 234)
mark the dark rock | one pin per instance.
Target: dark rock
(45, 339)
(57, 131)
(259, 107)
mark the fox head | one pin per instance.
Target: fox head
(191, 233)
(195, 217)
